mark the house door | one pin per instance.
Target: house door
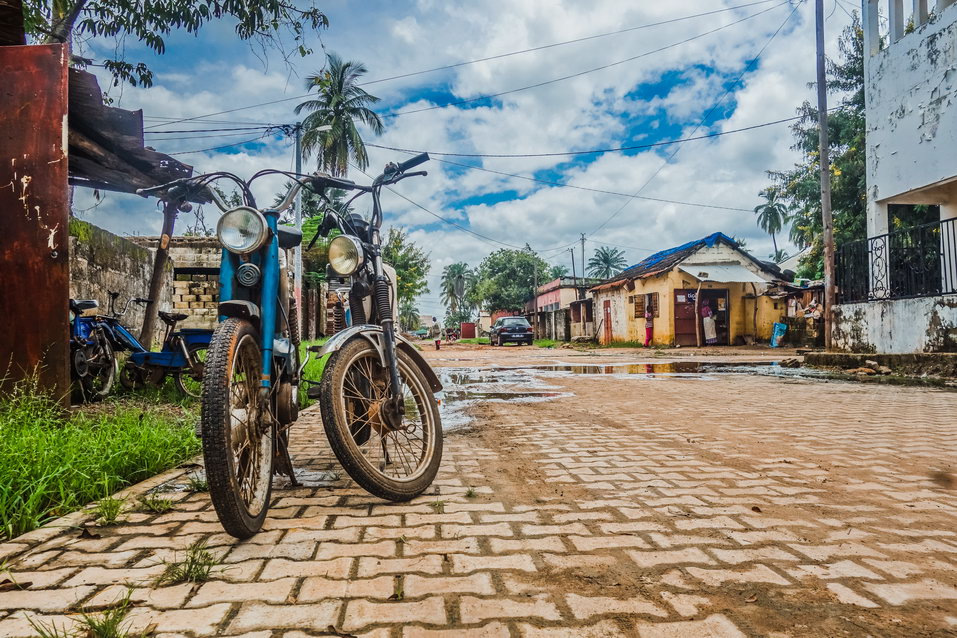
(685, 318)
(607, 321)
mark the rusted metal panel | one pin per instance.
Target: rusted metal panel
(33, 208)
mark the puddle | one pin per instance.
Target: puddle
(465, 387)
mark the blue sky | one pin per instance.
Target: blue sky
(657, 97)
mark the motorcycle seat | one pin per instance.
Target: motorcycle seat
(81, 305)
(289, 237)
(170, 318)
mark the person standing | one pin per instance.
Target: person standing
(707, 320)
(649, 321)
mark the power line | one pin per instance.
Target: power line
(210, 130)
(706, 117)
(591, 190)
(596, 151)
(299, 97)
(581, 73)
(216, 148)
(198, 137)
(558, 44)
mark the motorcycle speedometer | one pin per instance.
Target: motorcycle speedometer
(242, 230)
(345, 254)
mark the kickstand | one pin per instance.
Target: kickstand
(284, 460)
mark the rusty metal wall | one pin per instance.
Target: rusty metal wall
(33, 215)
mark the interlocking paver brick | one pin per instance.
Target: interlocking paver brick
(715, 626)
(584, 607)
(474, 610)
(429, 564)
(255, 615)
(900, 593)
(317, 588)
(362, 613)
(601, 629)
(479, 583)
(491, 630)
(275, 591)
(462, 564)
(278, 568)
(671, 557)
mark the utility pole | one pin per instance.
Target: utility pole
(583, 258)
(574, 276)
(535, 297)
(297, 258)
(827, 218)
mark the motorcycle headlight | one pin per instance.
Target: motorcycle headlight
(345, 254)
(242, 230)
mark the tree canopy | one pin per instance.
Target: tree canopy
(411, 264)
(606, 262)
(263, 22)
(506, 278)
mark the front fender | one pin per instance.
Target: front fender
(373, 334)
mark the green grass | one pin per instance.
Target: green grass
(155, 504)
(195, 567)
(53, 463)
(313, 369)
(480, 341)
(108, 510)
(546, 343)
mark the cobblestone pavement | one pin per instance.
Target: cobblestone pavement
(715, 505)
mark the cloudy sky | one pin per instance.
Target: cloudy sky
(642, 73)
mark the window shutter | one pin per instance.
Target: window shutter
(654, 304)
(639, 306)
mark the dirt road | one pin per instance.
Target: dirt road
(596, 501)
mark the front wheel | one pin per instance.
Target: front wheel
(237, 430)
(95, 365)
(189, 380)
(395, 462)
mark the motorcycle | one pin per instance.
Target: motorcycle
(92, 359)
(376, 395)
(182, 354)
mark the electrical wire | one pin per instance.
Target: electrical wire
(299, 97)
(706, 117)
(558, 44)
(595, 151)
(216, 148)
(210, 130)
(581, 73)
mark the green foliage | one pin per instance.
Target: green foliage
(195, 567)
(339, 103)
(106, 624)
(408, 315)
(411, 264)
(558, 272)
(546, 343)
(312, 371)
(772, 214)
(453, 319)
(267, 23)
(52, 463)
(108, 510)
(799, 189)
(197, 482)
(506, 279)
(155, 504)
(451, 275)
(606, 262)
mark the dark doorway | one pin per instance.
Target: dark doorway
(685, 319)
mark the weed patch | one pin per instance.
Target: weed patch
(438, 507)
(155, 504)
(197, 483)
(53, 463)
(195, 567)
(108, 510)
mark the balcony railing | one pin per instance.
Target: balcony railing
(890, 19)
(914, 262)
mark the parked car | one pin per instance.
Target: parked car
(507, 329)
(421, 333)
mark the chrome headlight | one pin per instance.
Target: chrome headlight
(345, 254)
(242, 230)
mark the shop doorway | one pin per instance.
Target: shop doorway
(717, 299)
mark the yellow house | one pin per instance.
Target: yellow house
(679, 286)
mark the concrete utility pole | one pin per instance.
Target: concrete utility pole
(574, 276)
(583, 257)
(297, 258)
(828, 221)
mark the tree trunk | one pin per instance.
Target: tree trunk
(62, 26)
(774, 242)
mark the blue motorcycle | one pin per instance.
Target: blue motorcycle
(377, 393)
(92, 359)
(183, 354)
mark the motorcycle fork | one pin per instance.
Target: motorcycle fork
(382, 295)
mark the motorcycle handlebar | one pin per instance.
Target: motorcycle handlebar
(413, 162)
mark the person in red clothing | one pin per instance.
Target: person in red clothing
(649, 323)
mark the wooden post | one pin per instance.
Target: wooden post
(34, 246)
(159, 270)
(826, 216)
(697, 315)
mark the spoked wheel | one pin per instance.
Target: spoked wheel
(189, 381)
(237, 429)
(396, 461)
(95, 367)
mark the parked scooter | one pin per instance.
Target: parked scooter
(182, 355)
(92, 360)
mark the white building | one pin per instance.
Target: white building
(897, 290)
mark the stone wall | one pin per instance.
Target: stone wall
(195, 285)
(924, 324)
(101, 261)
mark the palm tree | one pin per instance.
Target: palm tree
(606, 262)
(451, 275)
(772, 214)
(408, 315)
(339, 104)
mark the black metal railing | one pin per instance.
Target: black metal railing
(913, 262)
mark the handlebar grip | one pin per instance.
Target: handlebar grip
(142, 300)
(413, 162)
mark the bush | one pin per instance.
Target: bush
(53, 463)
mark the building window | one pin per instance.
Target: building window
(641, 300)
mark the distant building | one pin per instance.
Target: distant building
(675, 286)
(549, 311)
(897, 289)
